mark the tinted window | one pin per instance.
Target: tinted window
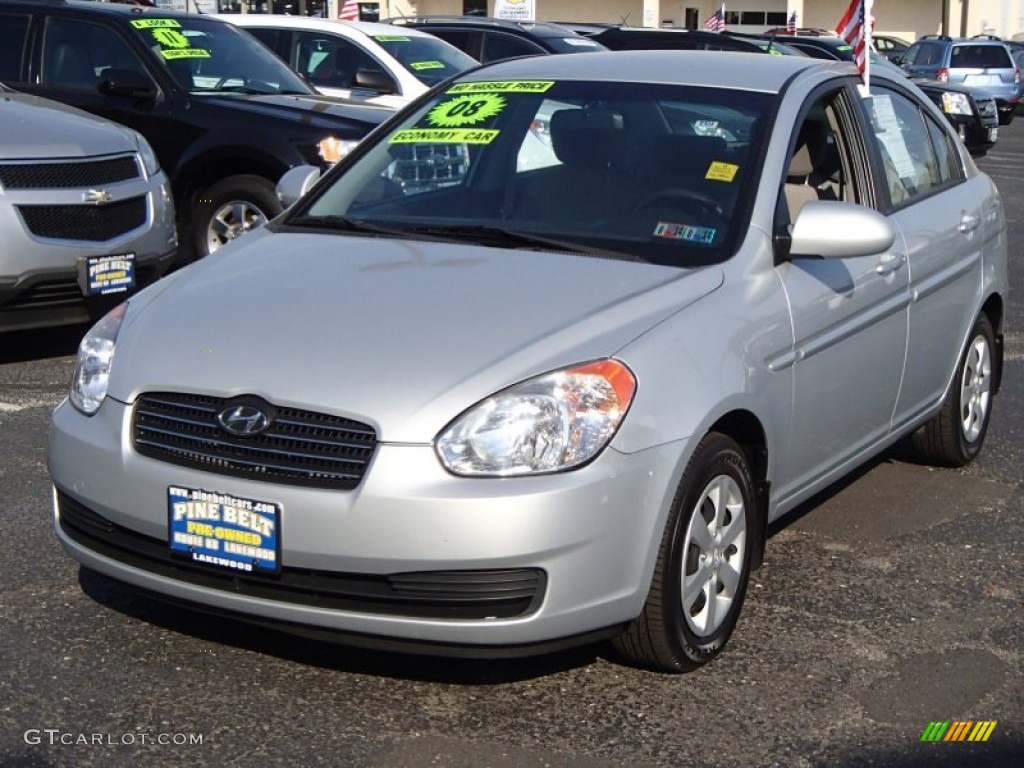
(924, 54)
(330, 61)
(12, 44)
(431, 60)
(75, 54)
(498, 46)
(980, 56)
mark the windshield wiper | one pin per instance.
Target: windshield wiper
(347, 224)
(488, 235)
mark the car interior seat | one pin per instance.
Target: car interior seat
(590, 184)
(814, 163)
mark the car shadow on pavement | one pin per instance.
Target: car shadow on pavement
(141, 605)
(23, 346)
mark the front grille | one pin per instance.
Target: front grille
(481, 594)
(92, 223)
(68, 175)
(989, 111)
(428, 166)
(298, 448)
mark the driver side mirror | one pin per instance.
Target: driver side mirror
(126, 82)
(373, 80)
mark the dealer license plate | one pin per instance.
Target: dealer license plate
(224, 531)
(981, 80)
(102, 275)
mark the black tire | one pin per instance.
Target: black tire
(668, 635)
(229, 208)
(955, 435)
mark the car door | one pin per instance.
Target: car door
(849, 315)
(940, 212)
(74, 55)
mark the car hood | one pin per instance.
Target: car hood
(48, 129)
(326, 112)
(400, 334)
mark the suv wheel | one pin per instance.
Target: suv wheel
(230, 208)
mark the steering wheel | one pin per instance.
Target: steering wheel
(706, 205)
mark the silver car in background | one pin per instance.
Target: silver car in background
(559, 398)
(86, 214)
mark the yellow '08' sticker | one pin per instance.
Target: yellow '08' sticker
(466, 110)
(444, 136)
(719, 171)
(503, 86)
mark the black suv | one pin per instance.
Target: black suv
(224, 115)
(487, 39)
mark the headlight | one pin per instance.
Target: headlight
(92, 366)
(332, 149)
(553, 422)
(956, 103)
(149, 158)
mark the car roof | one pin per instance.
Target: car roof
(115, 9)
(368, 28)
(665, 35)
(717, 69)
(533, 28)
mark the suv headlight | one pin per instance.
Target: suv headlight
(956, 103)
(149, 158)
(92, 366)
(553, 422)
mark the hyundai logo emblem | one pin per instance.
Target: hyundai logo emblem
(243, 420)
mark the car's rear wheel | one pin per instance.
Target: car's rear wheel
(955, 435)
(230, 208)
(703, 566)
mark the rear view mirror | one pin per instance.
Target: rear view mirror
(836, 230)
(373, 80)
(296, 182)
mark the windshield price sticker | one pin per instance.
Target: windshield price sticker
(504, 86)
(101, 275)
(719, 171)
(224, 531)
(444, 136)
(421, 65)
(155, 24)
(392, 38)
(466, 110)
(185, 53)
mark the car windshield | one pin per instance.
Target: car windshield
(430, 59)
(658, 173)
(205, 55)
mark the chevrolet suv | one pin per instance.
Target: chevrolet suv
(225, 116)
(86, 215)
(983, 65)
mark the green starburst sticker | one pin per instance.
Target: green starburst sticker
(466, 110)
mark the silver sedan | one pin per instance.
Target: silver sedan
(542, 359)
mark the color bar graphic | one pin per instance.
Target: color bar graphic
(958, 730)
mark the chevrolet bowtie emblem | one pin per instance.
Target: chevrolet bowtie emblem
(97, 196)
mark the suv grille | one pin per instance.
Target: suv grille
(298, 448)
(65, 175)
(989, 111)
(93, 223)
(428, 166)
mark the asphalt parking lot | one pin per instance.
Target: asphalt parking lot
(892, 602)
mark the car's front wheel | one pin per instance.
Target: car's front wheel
(703, 566)
(230, 208)
(955, 435)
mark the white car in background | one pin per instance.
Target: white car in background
(370, 62)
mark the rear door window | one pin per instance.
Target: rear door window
(980, 57)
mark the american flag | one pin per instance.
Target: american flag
(855, 29)
(716, 22)
(791, 24)
(349, 11)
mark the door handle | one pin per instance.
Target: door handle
(890, 265)
(969, 222)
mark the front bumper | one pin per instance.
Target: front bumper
(579, 546)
